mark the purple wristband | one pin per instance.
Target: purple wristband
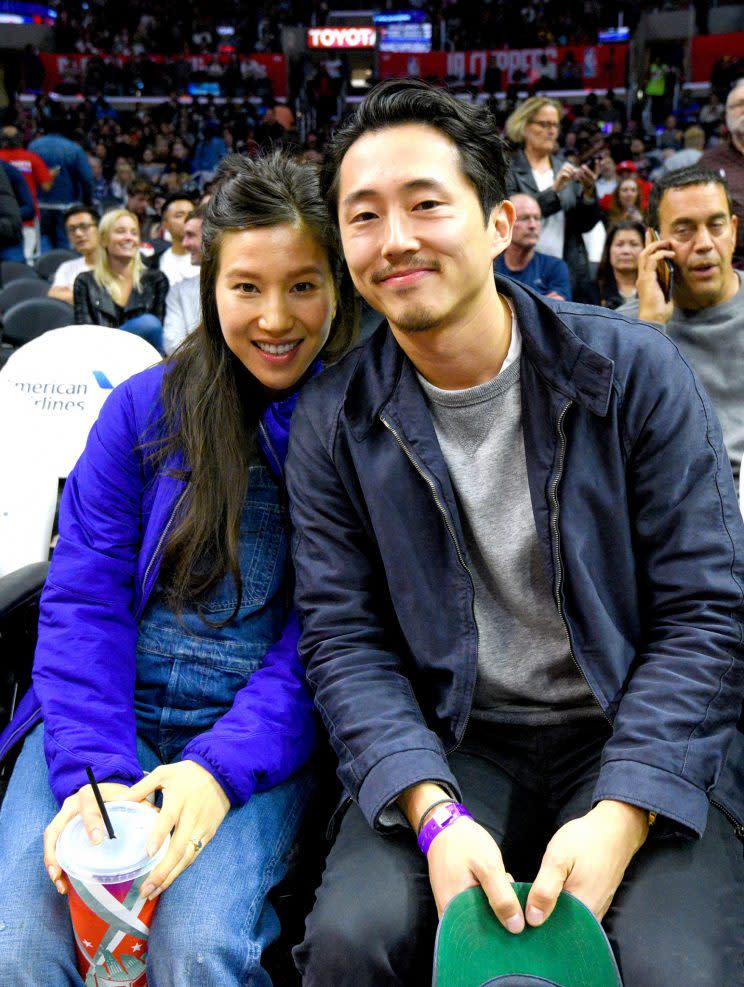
(440, 819)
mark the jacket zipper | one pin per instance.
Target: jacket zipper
(450, 528)
(19, 731)
(270, 447)
(738, 828)
(161, 540)
(557, 560)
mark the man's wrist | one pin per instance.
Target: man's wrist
(414, 801)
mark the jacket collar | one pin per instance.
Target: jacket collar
(564, 361)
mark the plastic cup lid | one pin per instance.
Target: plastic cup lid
(111, 861)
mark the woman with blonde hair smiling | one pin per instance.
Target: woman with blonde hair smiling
(566, 193)
(120, 292)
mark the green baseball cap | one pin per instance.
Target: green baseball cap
(473, 949)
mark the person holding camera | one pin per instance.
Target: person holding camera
(566, 193)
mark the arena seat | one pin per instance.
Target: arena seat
(29, 319)
(20, 291)
(52, 390)
(12, 270)
(48, 263)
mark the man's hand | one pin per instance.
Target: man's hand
(652, 307)
(465, 855)
(588, 857)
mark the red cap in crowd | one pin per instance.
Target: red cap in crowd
(628, 166)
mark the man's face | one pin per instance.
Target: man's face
(415, 240)
(175, 216)
(703, 233)
(528, 223)
(82, 232)
(192, 239)
(606, 166)
(735, 113)
(138, 203)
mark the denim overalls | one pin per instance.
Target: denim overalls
(188, 672)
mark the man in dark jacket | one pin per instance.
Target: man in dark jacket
(25, 204)
(10, 214)
(519, 567)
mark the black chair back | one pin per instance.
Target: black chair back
(11, 270)
(20, 291)
(48, 263)
(29, 319)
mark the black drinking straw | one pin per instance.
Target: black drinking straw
(101, 803)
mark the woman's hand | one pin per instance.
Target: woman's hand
(565, 176)
(588, 180)
(82, 803)
(194, 805)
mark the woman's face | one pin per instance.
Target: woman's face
(123, 240)
(624, 251)
(275, 300)
(541, 133)
(627, 193)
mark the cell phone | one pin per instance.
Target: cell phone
(664, 272)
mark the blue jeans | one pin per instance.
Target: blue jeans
(147, 326)
(210, 926)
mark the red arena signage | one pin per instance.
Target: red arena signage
(341, 37)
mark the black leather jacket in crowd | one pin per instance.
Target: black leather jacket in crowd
(95, 307)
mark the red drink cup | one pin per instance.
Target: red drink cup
(110, 918)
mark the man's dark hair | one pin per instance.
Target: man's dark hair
(175, 197)
(81, 207)
(683, 178)
(472, 129)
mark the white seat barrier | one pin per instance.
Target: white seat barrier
(51, 391)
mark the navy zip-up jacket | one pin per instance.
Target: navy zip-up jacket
(640, 532)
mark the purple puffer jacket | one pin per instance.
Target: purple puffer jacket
(115, 512)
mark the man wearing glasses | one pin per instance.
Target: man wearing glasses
(81, 226)
(727, 159)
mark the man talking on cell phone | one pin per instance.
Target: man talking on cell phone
(518, 554)
(691, 210)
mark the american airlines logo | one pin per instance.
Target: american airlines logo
(341, 37)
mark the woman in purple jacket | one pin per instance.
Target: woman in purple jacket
(167, 643)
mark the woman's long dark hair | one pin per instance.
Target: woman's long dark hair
(609, 293)
(211, 403)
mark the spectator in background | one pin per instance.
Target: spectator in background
(139, 202)
(692, 149)
(10, 215)
(711, 114)
(26, 207)
(693, 212)
(124, 175)
(210, 150)
(101, 188)
(176, 262)
(183, 304)
(606, 174)
(81, 226)
(656, 85)
(521, 261)
(73, 183)
(566, 193)
(625, 201)
(671, 135)
(37, 176)
(120, 291)
(728, 160)
(629, 169)
(618, 269)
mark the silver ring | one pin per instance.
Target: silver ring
(198, 845)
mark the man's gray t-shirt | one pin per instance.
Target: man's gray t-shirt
(712, 341)
(525, 670)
